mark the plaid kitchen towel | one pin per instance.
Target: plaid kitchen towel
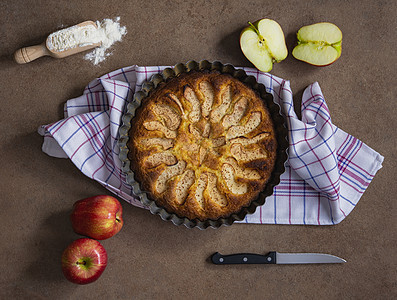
(327, 171)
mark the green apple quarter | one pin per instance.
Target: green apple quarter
(263, 43)
(319, 44)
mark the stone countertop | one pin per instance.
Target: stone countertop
(153, 259)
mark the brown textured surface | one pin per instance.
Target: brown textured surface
(151, 258)
(194, 131)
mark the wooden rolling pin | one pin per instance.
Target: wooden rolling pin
(27, 54)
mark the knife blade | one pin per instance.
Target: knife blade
(274, 257)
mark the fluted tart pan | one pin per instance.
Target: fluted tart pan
(166, 75)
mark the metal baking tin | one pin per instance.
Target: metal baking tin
(168, 73)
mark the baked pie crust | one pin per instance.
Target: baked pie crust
(202, 145)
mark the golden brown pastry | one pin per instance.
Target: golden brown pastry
(202, 145)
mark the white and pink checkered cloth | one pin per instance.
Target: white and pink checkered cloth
(327, 171)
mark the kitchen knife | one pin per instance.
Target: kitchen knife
(275, 258)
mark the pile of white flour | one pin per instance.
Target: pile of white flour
(107, 33)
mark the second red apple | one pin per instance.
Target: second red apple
(84, 260)
(98, 217)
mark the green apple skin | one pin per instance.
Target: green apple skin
(338, 47)
(263, 43)
(319, 44)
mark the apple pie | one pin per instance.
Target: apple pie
(202, 145)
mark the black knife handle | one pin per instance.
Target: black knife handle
(244, 258)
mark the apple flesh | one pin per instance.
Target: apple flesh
(319, 44)
(83, 261)
(263, 44)
(98, 217)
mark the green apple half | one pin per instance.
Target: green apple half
(319, 44)
(263, 43)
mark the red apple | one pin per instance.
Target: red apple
(83, 261)
(98, 217)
